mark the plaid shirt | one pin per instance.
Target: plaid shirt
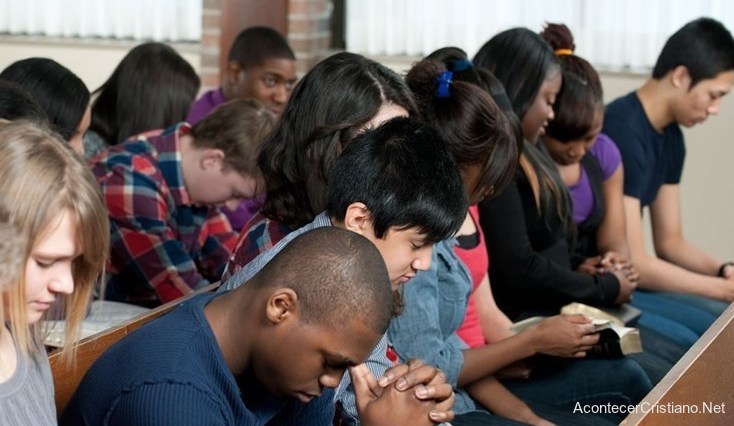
(162, 246)
(258, 235)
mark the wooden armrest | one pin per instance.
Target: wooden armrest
(67, 377)
(702, 381)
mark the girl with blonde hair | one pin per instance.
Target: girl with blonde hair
(56, 206)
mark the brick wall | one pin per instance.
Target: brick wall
(309, 32)
(307, 29)
(211, 32)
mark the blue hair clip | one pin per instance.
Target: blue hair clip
(463, 65)
(444, 81)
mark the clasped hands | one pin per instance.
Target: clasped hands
(413, 393)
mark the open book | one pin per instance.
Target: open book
(615, 340)
(599, 323)
(625, 315)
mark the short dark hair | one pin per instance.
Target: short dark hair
(522, 61)
(704, 46)
(581, 96)
(328, 107)
(16, 102)
(404, 174)
(151, 88)
(255, 45)
(237, 128)
(338, 275)
(60, 93)
(477, 132)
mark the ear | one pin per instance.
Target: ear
(233, 71)
(282, 306)
(212, 159)
(357, 218)
(680, 77)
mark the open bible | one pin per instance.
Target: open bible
(615, 339)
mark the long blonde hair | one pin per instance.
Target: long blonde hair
(40, 177)
(12, 249)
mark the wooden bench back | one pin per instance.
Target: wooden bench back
(702, 380)
(67, 378)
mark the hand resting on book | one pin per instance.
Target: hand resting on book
(567, 336)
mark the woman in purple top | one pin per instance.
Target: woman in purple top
(607, 155)
(594, 181)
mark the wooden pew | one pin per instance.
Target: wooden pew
(702, 380)
(67, 378)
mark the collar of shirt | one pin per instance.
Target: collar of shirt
(168, 153)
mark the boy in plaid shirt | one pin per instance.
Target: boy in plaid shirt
(162, 189)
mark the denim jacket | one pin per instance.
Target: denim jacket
(435, 305)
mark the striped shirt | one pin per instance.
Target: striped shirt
(258, 235)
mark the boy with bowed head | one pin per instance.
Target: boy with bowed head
(693, 72)
(315, 311)
(162, 190)
(398, 186)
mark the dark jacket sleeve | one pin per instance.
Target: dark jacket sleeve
(524, 279)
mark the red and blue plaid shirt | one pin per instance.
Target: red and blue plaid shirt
(259, 234)
(162, 246)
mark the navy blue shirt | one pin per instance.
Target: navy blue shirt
(651, 159)
(172, 372)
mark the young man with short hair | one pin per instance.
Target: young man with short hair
(694, 71)
(260, 65)
(398, 186)
(315, 311)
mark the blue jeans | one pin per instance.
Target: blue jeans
(674, 315)
(659, 354)
(713, 306)
(562, 383)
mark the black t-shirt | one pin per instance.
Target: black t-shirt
(651, 159)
